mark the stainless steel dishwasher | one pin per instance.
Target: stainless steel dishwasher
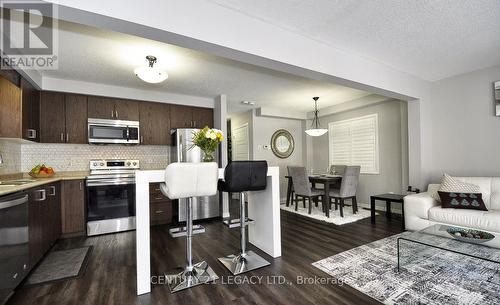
(14, 237)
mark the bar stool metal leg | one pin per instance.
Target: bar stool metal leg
(193, 274)
(246, 260)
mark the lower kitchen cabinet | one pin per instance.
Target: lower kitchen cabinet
(44, 224)
(160, 207)
(73, 207)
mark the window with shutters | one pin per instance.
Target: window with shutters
(355, 142)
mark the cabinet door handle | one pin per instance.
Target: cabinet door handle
(112, 113)
(43, 195)
(31, 134)
(158, 198)
(142, 139)
(52, 190)
(62, 136)
(81, 186)
(15, 276)
(159, 212)
(67, 137)
(116, 113)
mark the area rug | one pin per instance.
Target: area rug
(334, 218)
(436, 277)
(60, 265)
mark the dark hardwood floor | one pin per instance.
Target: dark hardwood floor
(110, 275)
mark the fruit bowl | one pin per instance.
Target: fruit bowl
(469, 235)
(41, 175)
(42, 171)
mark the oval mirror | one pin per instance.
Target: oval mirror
(282, 144)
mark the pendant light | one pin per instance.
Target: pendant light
(316, 130)
(151, 74)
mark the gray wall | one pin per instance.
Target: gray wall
(464, 137)
(391, 139)
(261, 129)
(264, 127)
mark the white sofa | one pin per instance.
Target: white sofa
(421, 210)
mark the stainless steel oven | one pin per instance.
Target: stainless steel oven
(14, 237)
(111, 196)
(102, 131)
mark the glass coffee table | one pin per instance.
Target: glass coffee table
(429, 241)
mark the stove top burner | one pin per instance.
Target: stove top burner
(119, 168)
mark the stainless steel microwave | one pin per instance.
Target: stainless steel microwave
(102, 131)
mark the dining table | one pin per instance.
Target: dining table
(327, 180)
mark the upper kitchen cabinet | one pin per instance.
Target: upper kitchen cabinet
(112, 108)
(19, 109)
(30, 111)
(101, 107)
(155, 123)
(52, 117)
(190, 117)
(127, 110)
(63, 118)
(76, 118)
(181, 116)
(10, 109)
(203, 117)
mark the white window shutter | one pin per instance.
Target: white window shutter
(355, 142)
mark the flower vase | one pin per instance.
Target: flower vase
(208, 156)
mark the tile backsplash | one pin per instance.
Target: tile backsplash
(75, 157)
(11, 155)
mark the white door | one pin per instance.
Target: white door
(239, 142)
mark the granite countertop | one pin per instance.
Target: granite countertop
(59, 176)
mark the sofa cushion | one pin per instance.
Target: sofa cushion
(471, 201)
(450, 184)
(482, 220)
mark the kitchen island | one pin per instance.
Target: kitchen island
(263, 207)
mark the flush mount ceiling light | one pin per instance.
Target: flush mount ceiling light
(316, 130)
(151, 74)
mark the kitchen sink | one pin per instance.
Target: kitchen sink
(16, 182)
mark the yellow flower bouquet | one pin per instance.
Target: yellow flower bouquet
(208, 139)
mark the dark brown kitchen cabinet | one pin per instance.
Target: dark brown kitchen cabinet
(190, 117)
(76, 118)
(10, 109)
(127, 110)
(160, 208)
(112, 108)
(155, 123)
(30, 111)
(101, 107)
(52, 117)
(73, 207)
(63, 118)
(203, 117)
(181, 116)
(44, 223)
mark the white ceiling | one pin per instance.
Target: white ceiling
(431, 39)
(101, 56)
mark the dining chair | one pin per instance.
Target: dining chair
(290, 186)
(302, 187)
(336, 169)
(347, 190)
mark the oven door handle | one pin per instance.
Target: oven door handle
(104, 182)
(13, 202)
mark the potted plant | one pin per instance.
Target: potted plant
(208, 139)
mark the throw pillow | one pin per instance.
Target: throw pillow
(471, 201)
(450, 184)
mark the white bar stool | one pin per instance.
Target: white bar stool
(190, 180)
